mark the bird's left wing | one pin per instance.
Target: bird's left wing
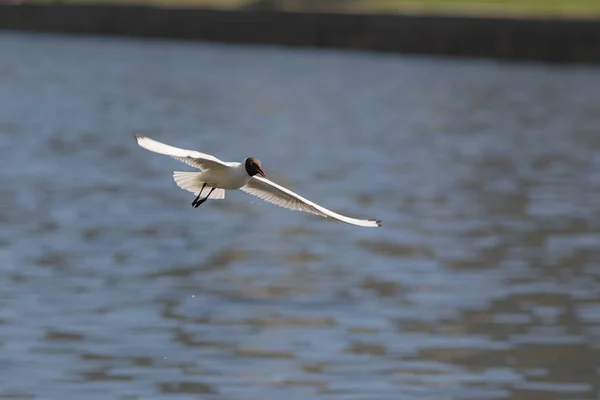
(273, 193)
(194, 158)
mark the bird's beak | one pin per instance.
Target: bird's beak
(260, 171)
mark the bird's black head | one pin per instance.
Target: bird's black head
(253, 167)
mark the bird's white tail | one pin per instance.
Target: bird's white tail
(191, 182)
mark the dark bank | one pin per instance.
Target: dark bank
(534, 39)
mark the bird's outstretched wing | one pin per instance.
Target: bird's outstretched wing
(194, 158)
(273, 193)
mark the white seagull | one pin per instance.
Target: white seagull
(248, 176)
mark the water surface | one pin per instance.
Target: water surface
(484, 282)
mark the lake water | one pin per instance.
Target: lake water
(483, 283)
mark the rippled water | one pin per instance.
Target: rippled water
(483, 283)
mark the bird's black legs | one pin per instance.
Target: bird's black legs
(197, 203)
(198, 197)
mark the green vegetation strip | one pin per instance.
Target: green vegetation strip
(518, 8)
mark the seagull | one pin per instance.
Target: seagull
(216, 176)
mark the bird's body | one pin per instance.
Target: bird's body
(216, 176)
(229, 178)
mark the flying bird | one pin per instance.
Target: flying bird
(216, 176)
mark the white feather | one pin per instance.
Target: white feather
(191, 182)
(273, 193)
(194, 158)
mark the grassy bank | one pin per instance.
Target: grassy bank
(524, 8)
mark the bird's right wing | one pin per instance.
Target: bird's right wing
(194, 158)
(273, 193)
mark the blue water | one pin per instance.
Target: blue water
(483, 283)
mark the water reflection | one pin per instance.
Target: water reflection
(482, 284)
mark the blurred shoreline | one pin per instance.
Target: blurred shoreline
(544, 39)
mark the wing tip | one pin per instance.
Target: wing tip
(377, 221)
(138, 137)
